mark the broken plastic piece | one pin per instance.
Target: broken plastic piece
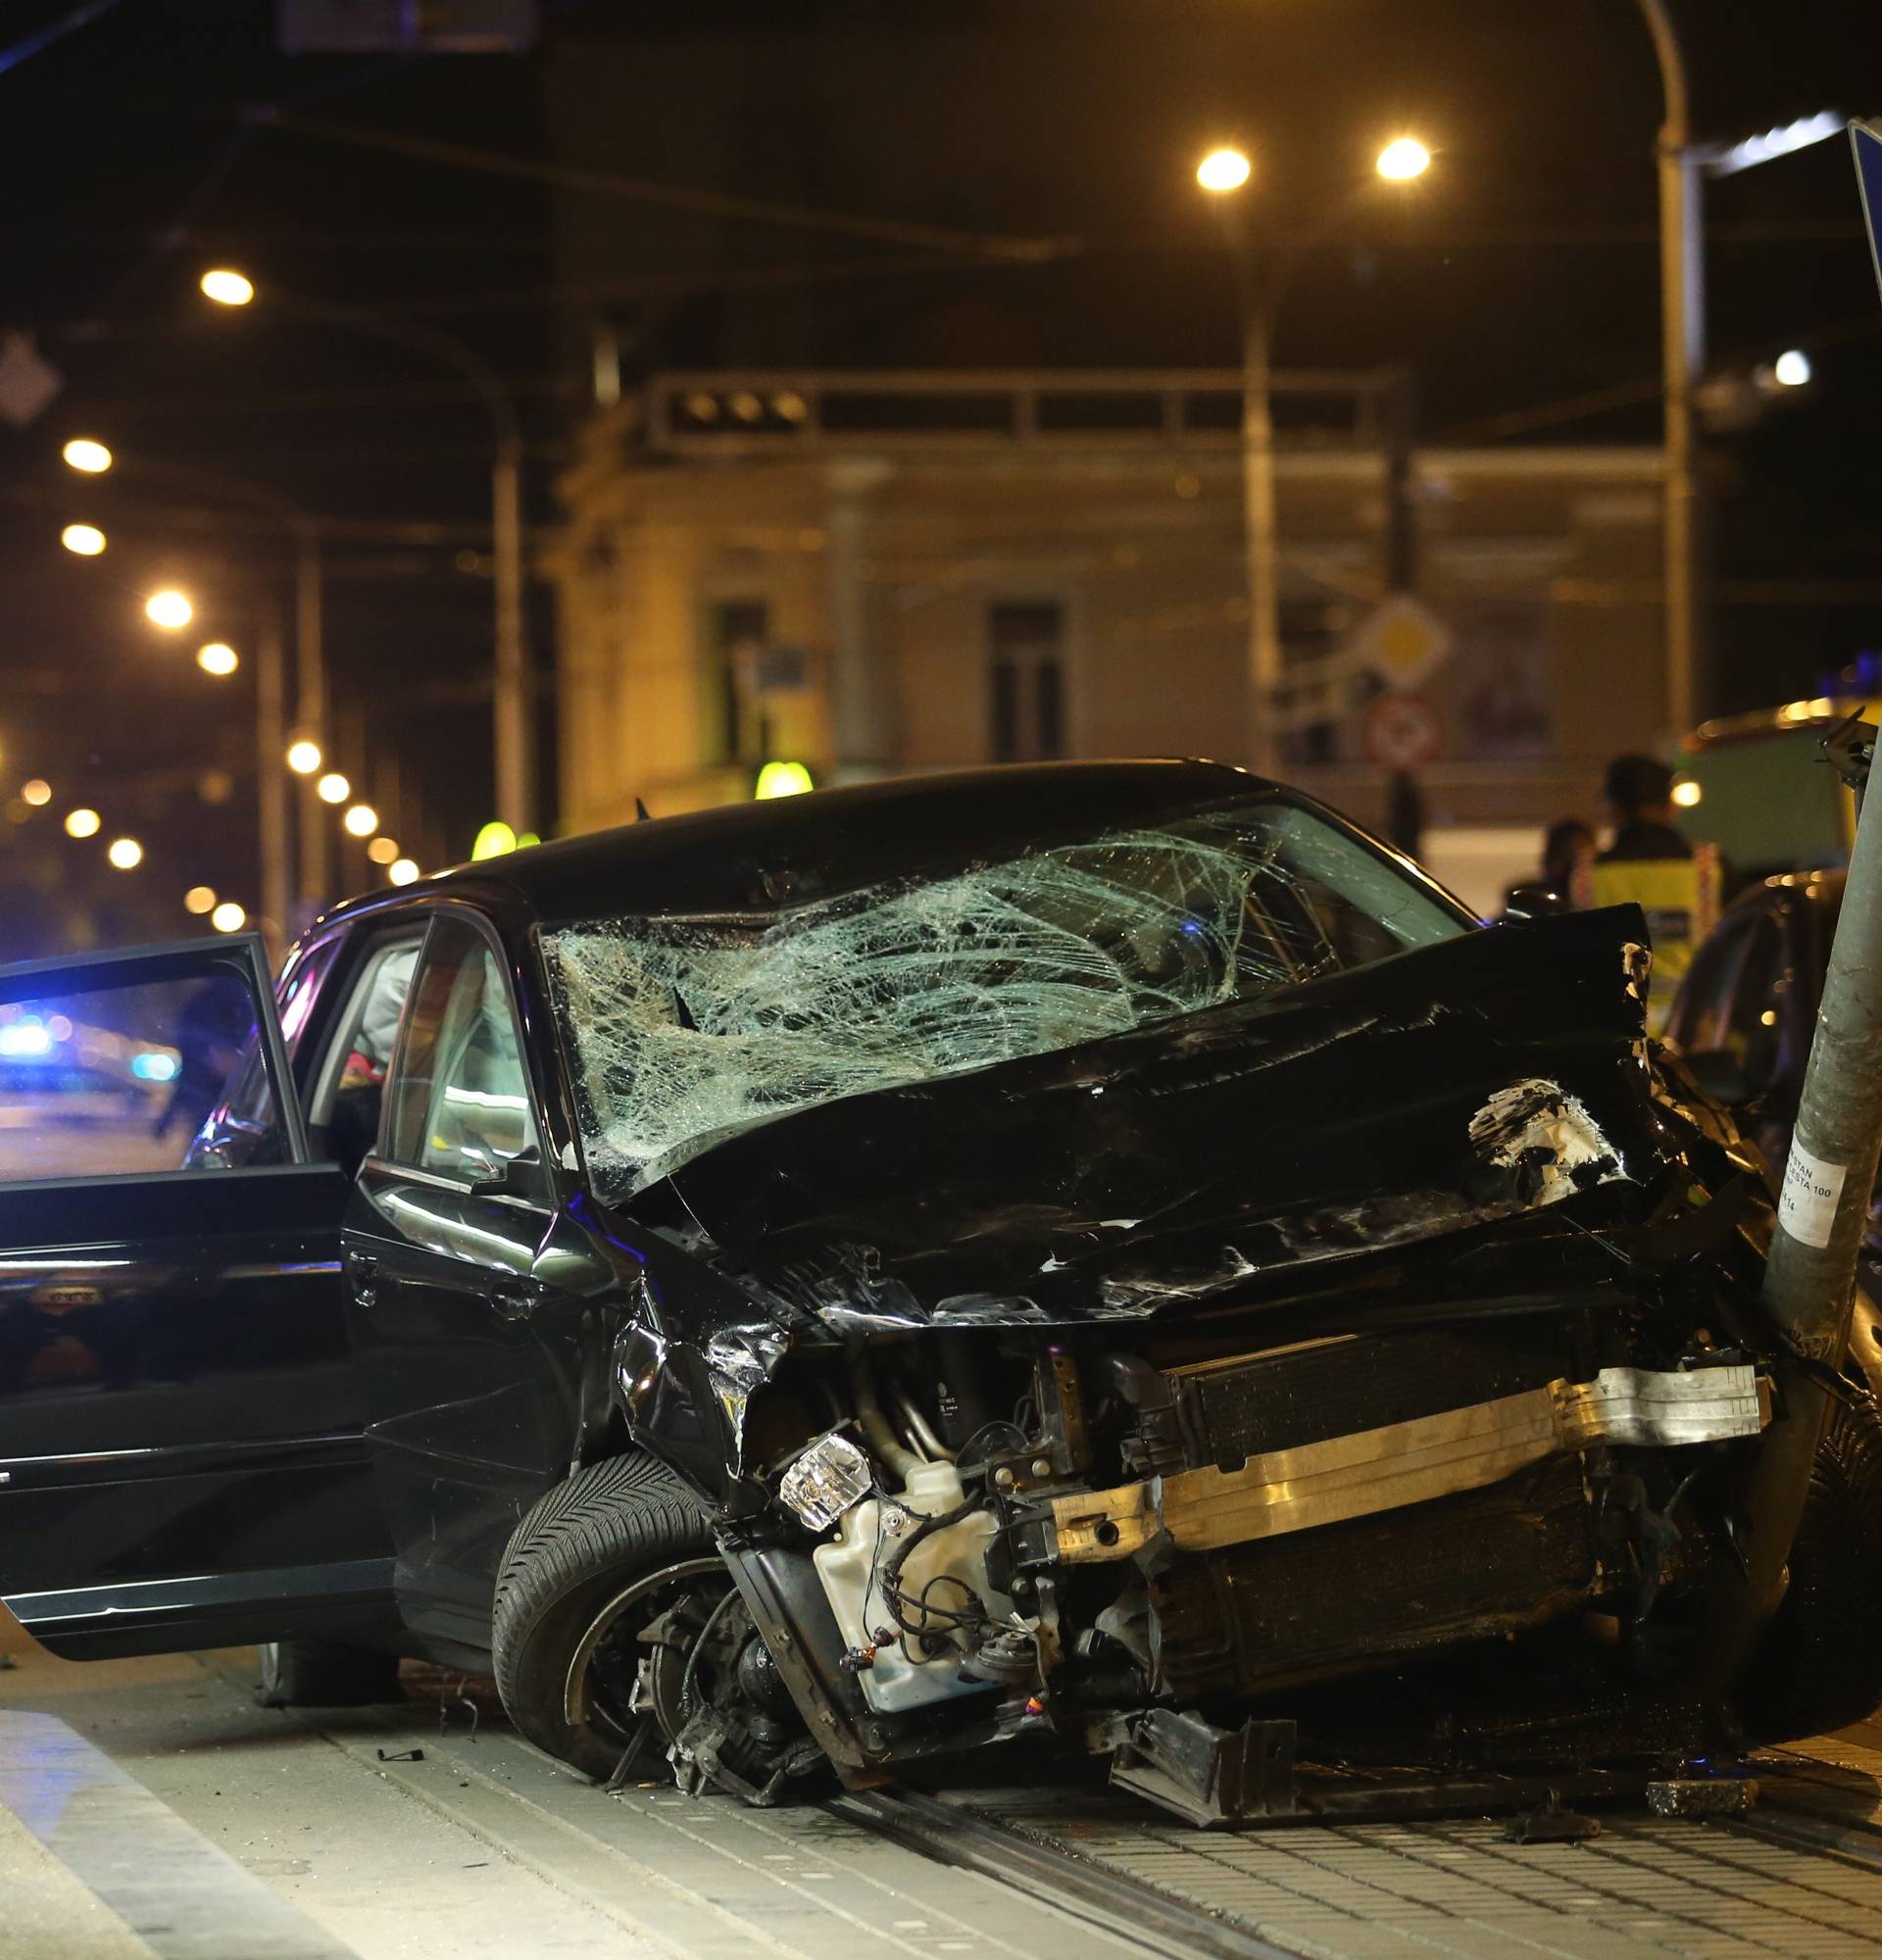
(1549, 1823)
(829, 1477)
(1702, 1797)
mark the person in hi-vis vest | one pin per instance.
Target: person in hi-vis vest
(1650, 864)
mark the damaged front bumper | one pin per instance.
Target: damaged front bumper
(1408, 1463)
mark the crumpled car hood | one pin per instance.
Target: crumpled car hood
(1219, 1155)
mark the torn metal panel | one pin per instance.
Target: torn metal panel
(1258, 1147)
(1407, 1462)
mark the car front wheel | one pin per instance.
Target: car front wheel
(618, 1637)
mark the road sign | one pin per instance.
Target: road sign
(1865, 139)
(1401, 642)
(1401, 731)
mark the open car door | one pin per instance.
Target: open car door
(180, 1453)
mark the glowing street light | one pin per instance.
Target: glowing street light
(383, 849)
(1792, 369)
(229, 917)
(304, 757)
(37, 792)
(333, 787)
(1224, 170)
(125, 854)
(402, 871)
(217, 659)
(85, 540)
(169, 608)
(362, 820)
(200, 899)
(82, 452)
(1402, 160)
(82, 822)
(229, 288)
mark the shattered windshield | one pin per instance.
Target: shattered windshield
(683, 1031)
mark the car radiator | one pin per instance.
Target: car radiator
(1481, 1524)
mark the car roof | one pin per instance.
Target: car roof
(754, 856)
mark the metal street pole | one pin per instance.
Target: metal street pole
(1682, 310)
(513, 727)
(1261, 286)
(310, 710)
(1261, 522)
(271, 775)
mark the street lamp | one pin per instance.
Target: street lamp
(225, 287)
(218, 658)
(82, 822)
(362, 820)
(83, 540)
(513, 700)
(334, 787)
(84, 454)
(200, 899)
(125, 854)
(303, 756)
(1224, 170)
(1261, 283)
(169, 609)
(1402, 160)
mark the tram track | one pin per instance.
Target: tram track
(1124, 1907)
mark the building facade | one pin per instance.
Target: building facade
(900, 572)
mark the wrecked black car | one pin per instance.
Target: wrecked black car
(1103, 1252)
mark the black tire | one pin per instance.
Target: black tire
(324, 1674)
(1819, 1663)
(589, 1540)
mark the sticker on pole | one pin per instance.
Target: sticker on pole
(1807, 1207)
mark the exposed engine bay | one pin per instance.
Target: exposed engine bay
(1067, 1536)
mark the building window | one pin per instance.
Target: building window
(740, 629)
(1025, 680)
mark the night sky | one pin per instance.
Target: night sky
(1520, 281)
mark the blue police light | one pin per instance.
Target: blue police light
(28, 1036)
(151, 1066)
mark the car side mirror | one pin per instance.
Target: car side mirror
(1721, 1075)
(1534, 902)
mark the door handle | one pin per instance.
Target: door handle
(514, 1300)
(365, 1275)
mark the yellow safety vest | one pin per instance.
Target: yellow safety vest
(1675, 894)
